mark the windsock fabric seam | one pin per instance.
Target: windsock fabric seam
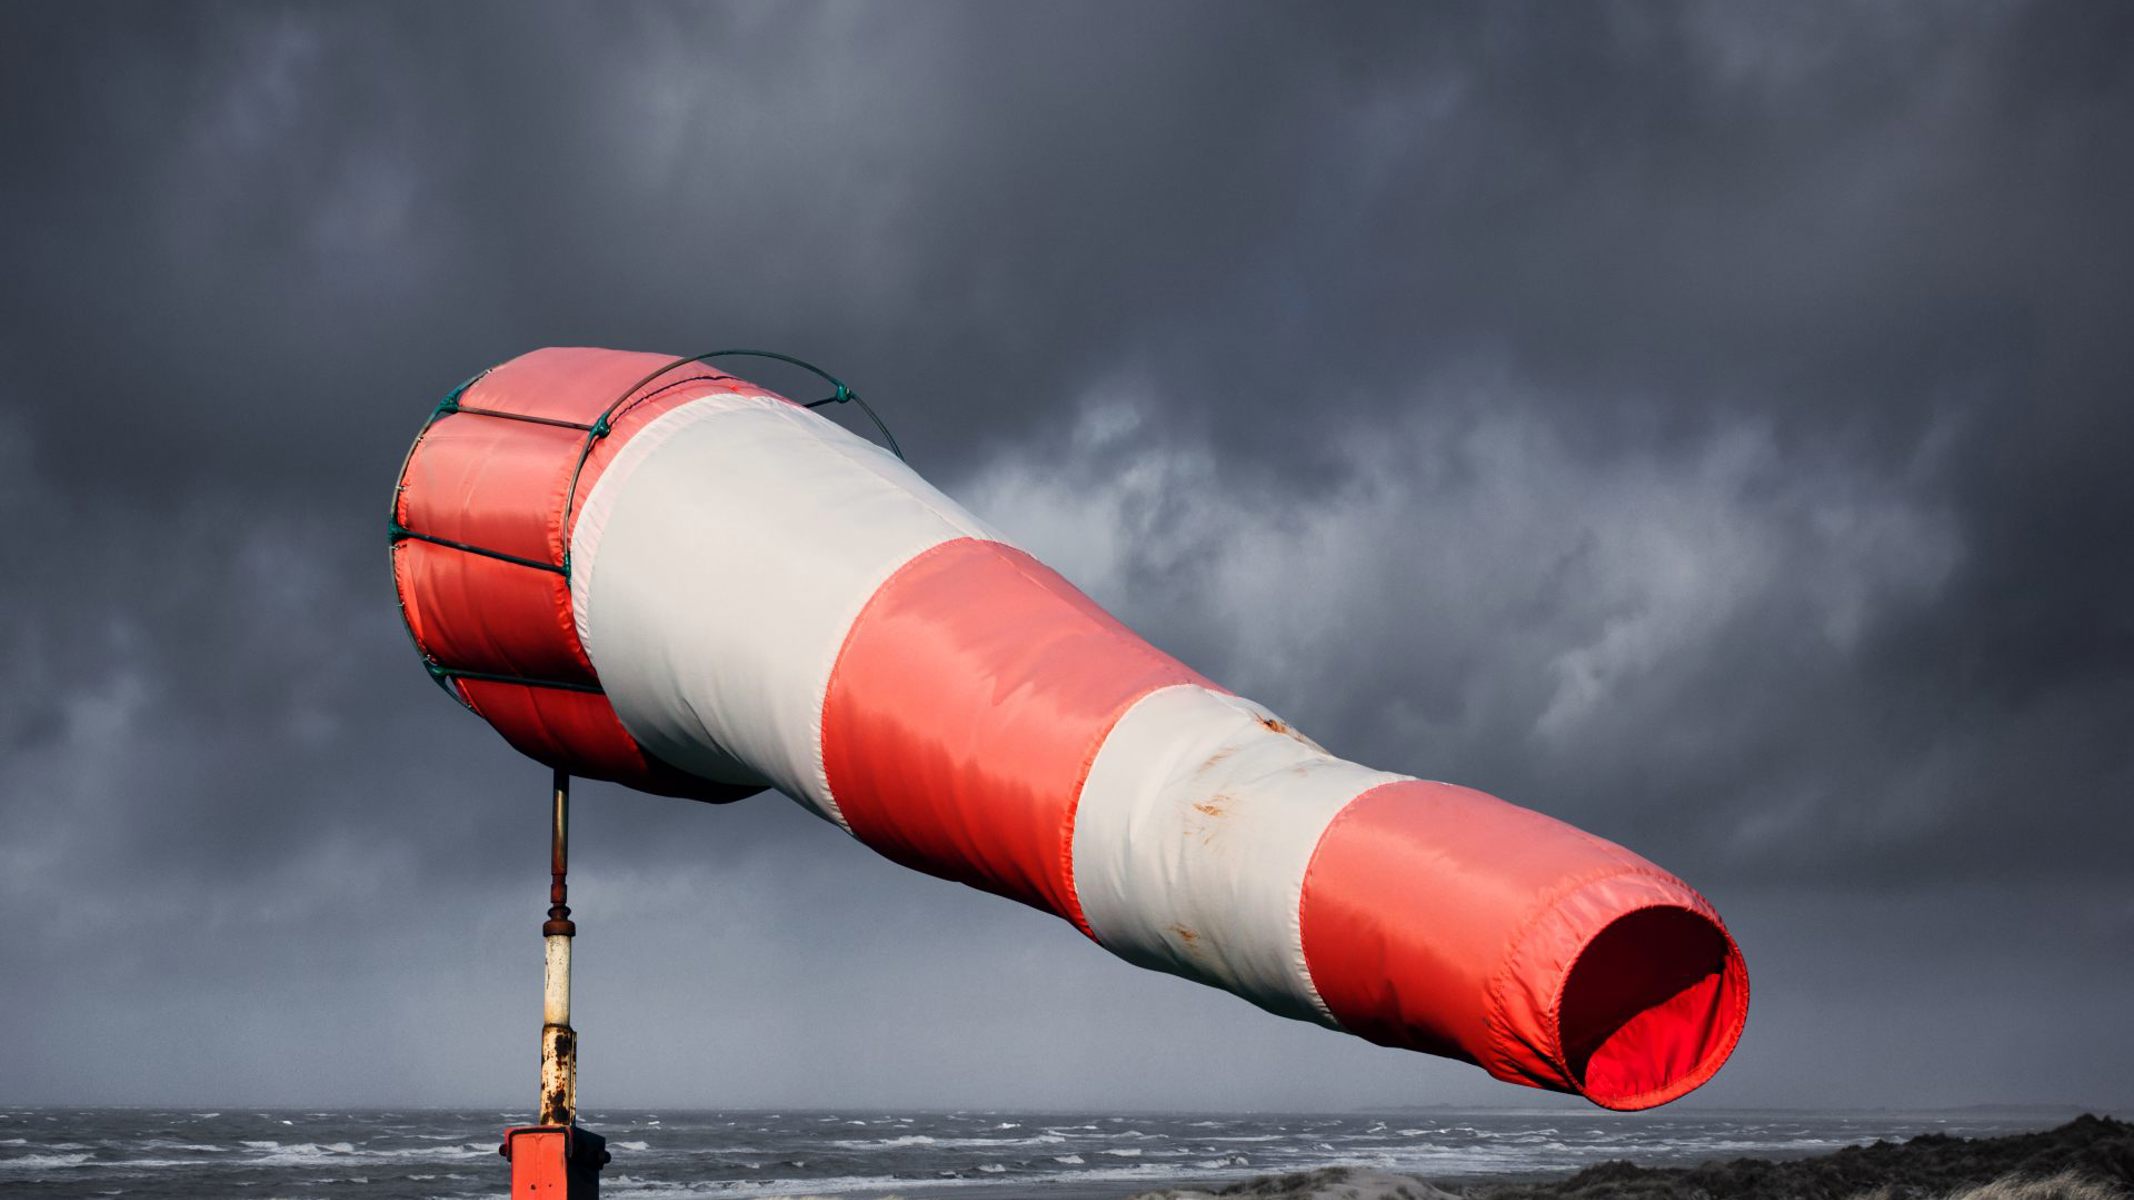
(1065, 851)
(1253, 798)
(918, 516)
(589, 522)
(1304, 889)
(1302, 956)
(991, 616)
(829, 678)
(962, 527)
(1081, 788)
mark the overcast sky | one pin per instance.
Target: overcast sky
(1711, 425)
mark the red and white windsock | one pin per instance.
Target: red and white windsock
(660, 574)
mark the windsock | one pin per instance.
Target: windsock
(647, 570)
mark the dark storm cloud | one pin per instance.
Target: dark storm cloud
(1706, 423)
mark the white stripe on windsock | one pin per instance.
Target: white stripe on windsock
(716, 567)
(1192, 836)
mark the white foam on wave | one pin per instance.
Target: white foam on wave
(920, 1139)
(42, 1162)
(174, 1144)
(769, 1189)
(268, 1153)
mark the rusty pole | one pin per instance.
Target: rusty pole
(559, 1045)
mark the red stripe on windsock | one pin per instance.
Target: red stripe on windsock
(966, 706)
(476, 613)
(578, 731)
(1440, 919)
(505, 487)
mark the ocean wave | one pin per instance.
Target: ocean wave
(174, 1144)
(909, 1139)
(42, 1162)
(769, 1189)
(268, 1153)
(948, 1143)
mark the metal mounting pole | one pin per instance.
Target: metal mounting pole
(555, 1158)
(559, 1045)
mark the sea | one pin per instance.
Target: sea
(405, 1154)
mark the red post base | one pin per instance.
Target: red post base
(554, 1162)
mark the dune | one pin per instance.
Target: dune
(2089, 1158)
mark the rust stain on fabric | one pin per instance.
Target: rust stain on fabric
(1214, 808)
(1278, 725)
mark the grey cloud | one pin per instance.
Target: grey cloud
(1706, 423)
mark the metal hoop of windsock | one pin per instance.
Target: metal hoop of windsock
(647, 570)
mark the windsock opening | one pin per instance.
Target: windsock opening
(1652, 1007)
